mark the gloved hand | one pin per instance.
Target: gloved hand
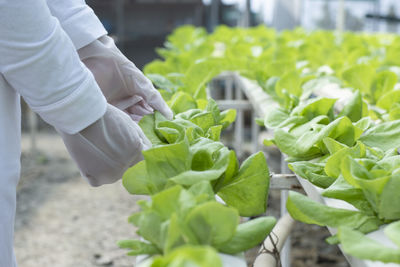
(135, 107)
(107, 148)
(120, 80)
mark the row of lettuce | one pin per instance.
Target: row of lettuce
(183, 224)
(348, 148)
(350, 151)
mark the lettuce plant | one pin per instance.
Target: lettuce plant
(245, 188)
(178, 217)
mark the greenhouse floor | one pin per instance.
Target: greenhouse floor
(63, 222)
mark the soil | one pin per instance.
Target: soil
(63, 222)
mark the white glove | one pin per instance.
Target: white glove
(120, 80)
(135, 106)
(107, 148)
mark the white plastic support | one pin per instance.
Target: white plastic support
(235, 104)
(255, 130)
(229, 88)
(341, 16)
(246, 17)
(239, 124)
(285, 253)
(284, 182)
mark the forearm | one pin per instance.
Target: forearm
(40, 62)
(78, 21)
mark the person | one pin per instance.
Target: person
(58, 57)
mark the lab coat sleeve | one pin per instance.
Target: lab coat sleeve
(78, 21)
(38, 60)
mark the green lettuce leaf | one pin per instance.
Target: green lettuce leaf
(137, 247)
(342, 190)
(384, 82)
(193, 256)
(356, 108)
(248, 190)
(249, 235)
(303, 209)
(357, 244)
(360, 77)
(313, 172)
(385, 135)
(389, 207)
(315, 107)
(333, 163)
(212, 223)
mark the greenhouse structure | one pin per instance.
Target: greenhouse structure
(285, 131)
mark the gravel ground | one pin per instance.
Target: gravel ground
(63, 222)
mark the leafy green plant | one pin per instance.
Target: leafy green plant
(245, 188)
(177, 217)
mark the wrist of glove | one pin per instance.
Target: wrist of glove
(120, 80)
(107, 148)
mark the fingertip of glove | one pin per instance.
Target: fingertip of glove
(167, 113)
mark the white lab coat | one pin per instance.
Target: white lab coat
(38, 60)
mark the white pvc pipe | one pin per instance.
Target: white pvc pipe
(229, 88)
(239, 123)
(255, 131)
(286, 250)
(275, 242)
